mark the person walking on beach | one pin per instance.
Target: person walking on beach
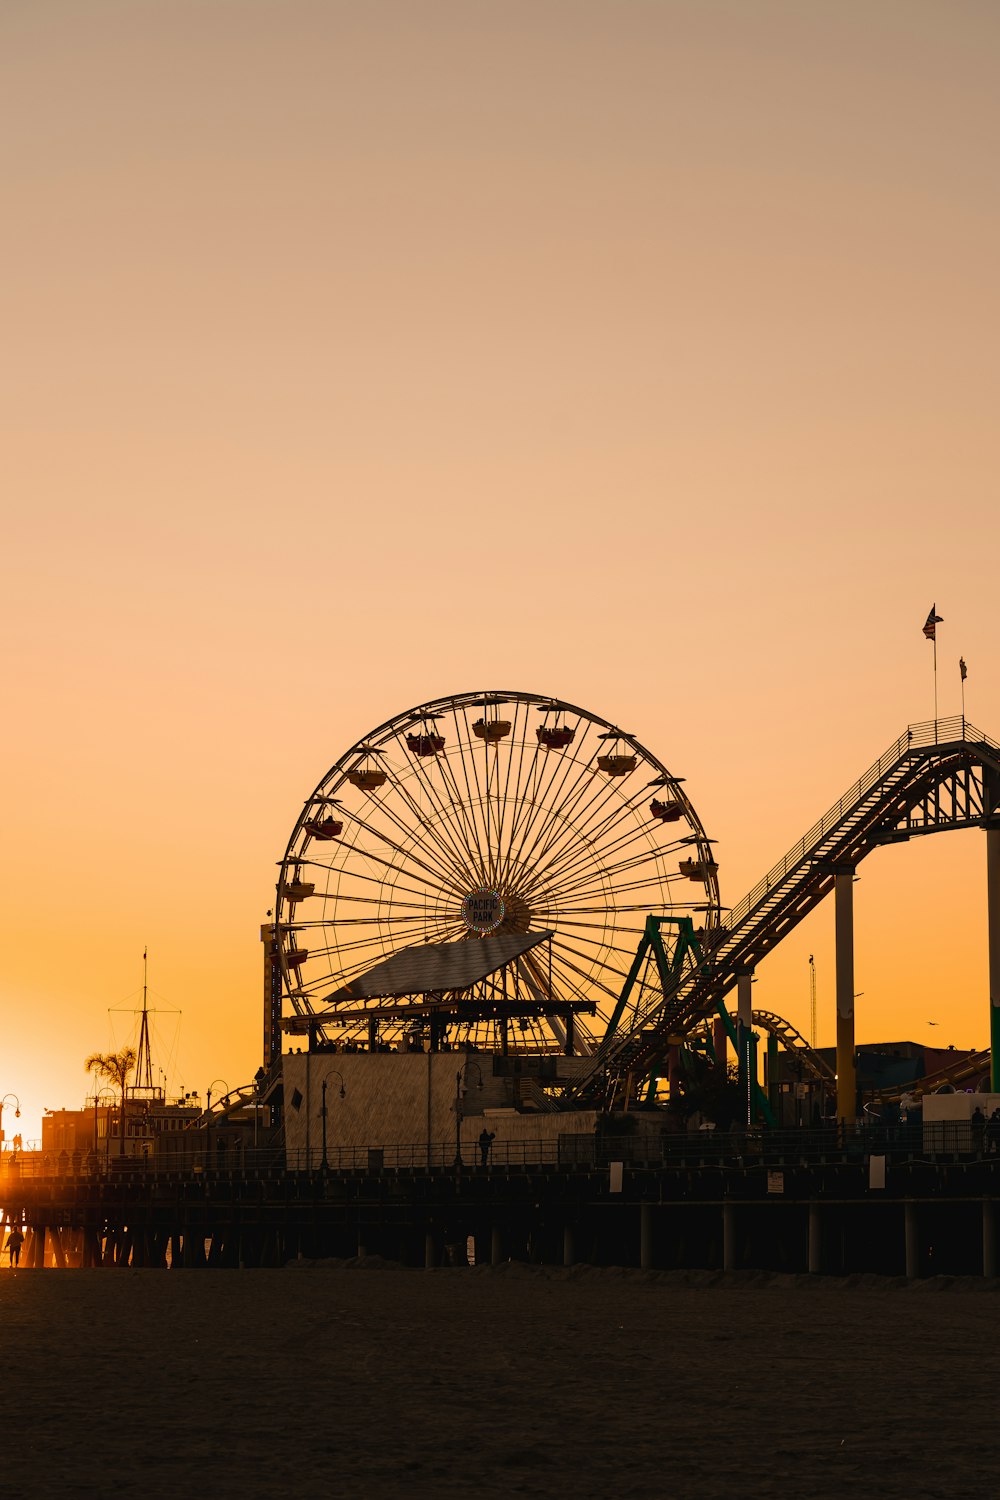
(14, 1243)
(485, 1144)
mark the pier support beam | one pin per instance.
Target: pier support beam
(847, 1080)
(912, 1243)
(645, 1237)
(728, 1237)
(814, 1259)
(430, 1254)
(993, 908)
(496, 1247)
(569, 1246)
(989, 1238)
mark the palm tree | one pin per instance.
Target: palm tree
(115, 1067)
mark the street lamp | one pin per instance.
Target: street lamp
(208, 1093)
(17, 1110)
(322, 1108)
(459, 1090)
(208, 1109)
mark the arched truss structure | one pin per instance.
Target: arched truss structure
(940, 775)
(481, 813)
(813, 1064)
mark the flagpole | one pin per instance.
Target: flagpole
(935, 688)
(930, 631)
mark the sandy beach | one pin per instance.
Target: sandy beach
(376, 1381)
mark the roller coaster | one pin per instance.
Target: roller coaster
(937, 776)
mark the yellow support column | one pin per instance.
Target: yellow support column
(847, 1076)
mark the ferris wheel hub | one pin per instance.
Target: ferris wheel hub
(483, 910)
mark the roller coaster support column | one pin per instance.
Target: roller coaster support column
(772, 1073)
(847, 1081)
(993, 904)
(744, 1020)
(719, 1042)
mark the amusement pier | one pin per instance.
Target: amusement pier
(506, 1016)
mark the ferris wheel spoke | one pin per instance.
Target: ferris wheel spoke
(548, 799)
(543, 796)
(573, 838)
(472, 855)
(582, 890)
(633, 931)
(474, 867)
(407, 854)
(601, 944)
(474, 798)
(462, 808)
(609, 863)
(526, 780)
(437, 831)
(376, 880)
(589, 980)
(457, 854)
(368, 943)
(526, 792)
(585, 820)
(649, 882)
(435, 884)
(372, 940)
(347, 896)
(556, 875)
(473, 802)
(596, 822)
(588, 911)
(479, 801)
(523, 803)
(563, 985)
(386, 920)
(449, 854)
(519, 732)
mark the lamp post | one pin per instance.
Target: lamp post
(208, 1110)
(324, 1164)
(459, 1090)
(17, 1110)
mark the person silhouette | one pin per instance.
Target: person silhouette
(485, 1144)
(14, 1242)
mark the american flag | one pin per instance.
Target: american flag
(931, 623)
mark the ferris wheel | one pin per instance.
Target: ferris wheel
(479, 814)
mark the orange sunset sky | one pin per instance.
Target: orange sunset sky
(644, 354)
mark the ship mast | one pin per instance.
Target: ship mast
(144, 1056)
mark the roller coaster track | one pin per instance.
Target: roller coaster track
(813, 1062)
(940, 775)
(794, 1042)
(969, 1065)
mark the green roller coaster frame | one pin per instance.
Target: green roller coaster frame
(668, 967)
